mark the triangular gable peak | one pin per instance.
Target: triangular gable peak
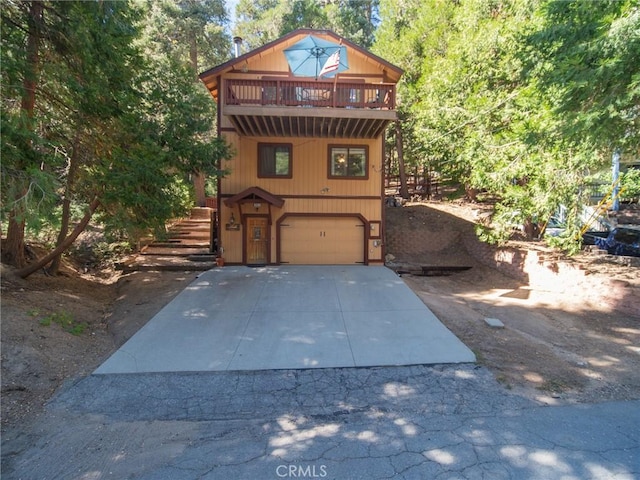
(252, 194)
(269, 60)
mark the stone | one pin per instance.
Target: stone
(494, 322)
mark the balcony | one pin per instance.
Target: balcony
(290, 108)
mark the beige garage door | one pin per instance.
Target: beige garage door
(322, 240)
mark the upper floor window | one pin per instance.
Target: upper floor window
(348, 162)
(274, 160)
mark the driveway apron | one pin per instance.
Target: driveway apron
(290, 317)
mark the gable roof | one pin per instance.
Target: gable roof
(210, 77)
(255, 193)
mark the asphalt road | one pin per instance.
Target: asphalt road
(412, 422)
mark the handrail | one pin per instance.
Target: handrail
(298, 93)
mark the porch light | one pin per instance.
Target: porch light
(257, 205)
(232, 219)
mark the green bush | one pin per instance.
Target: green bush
(630, 184)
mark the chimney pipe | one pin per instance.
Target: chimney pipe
(237, 41)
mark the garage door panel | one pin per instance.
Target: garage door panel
(325, 240)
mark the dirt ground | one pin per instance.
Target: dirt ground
(553, 349)
(55, 330)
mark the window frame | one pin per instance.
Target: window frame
(348, 177)
(261, 173)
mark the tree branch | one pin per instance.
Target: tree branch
(29, 269)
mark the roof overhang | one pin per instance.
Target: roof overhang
(309, 122)
(253, 194)
(391, 73)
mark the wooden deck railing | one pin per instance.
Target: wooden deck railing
(310, 94)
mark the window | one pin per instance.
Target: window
(348, 162)
(274, 160)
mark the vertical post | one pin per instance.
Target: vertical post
(404, 191)
(615, 177)
(213, 231)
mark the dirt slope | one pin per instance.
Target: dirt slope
(555, 347)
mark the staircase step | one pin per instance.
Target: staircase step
(176, 251)
(188, 234)
(164, 263)
(178, 244)
(201, 212)
(186, 247)
(202, 257)
(172, 267)
(189, 231)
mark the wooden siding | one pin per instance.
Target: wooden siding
(232, 240)
(274, 61)
(310, 159)
(255, 106)
(309, 191)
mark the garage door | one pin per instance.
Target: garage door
(322, 240)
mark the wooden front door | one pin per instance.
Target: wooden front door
(257, 241)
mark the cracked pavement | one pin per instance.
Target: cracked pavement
(414, 422)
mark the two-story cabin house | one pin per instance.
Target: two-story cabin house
(306, 183)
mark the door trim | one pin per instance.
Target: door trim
(245, 232)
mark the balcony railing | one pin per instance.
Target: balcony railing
(292, 93)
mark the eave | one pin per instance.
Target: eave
(271, 121)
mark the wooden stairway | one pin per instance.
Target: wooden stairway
(186, 248)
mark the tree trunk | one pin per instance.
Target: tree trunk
(28, 270)
(531, 229)
(64, 230)
(404, 190)
(32, 68)
(472, 193)
(14, 245)
(389, 167)
(199, 179)
(66, 203)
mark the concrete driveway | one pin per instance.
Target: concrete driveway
(290, 317)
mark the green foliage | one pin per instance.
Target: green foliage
(586, 63)
(519, 99)
(64, 319)
(570, 241)
(262, 21)
(630, 184)
(187, 30)
(108, 253)
(119, 112)
(303, 14)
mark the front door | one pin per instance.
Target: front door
(257, 241)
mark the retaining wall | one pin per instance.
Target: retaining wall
(541, 270)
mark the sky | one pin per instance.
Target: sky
(231, 8)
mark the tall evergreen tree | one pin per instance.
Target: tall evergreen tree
(111, 130)
(262, 21)
(23, 25)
